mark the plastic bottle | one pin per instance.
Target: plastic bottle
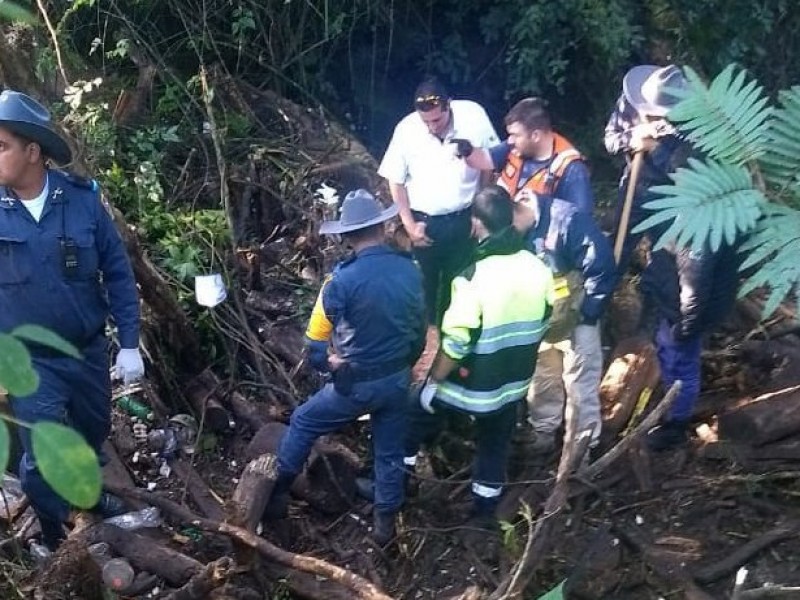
(118, 574)
(178, 435)
(138, 519)
(134, 408)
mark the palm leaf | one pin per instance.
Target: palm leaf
(726, 120)
(774, 246)
(781, 162)
(707, 202)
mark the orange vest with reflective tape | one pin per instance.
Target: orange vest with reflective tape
(544, 180)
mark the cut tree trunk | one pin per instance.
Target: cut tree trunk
(328, 480)
(202, 392)
(246, 507)
(633, 371)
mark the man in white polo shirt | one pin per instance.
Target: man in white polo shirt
(433, 188)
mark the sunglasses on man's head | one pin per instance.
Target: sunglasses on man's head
(429, 102)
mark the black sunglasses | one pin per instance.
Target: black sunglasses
(429, 102)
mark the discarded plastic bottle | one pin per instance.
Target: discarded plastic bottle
(138, 519)
(135, 408)
(118, 574)
(181, 434)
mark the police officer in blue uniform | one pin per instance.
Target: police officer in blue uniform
(367, 329)
(64, 267)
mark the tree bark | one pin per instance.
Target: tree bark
(766, 419)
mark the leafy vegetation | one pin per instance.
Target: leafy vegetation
(64, 458)
(747, 184)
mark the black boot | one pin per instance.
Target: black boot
(668, 435)
(278, 504)
(52, 533)
(483, 513)
(109, 506)
(383, 527)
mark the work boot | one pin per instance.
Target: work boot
(278, 504)
(668, 435)
(383, 527)
(52, 533)
(109, 506)
(483, 515)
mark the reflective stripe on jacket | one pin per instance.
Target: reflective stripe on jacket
(496, 319)
(544, 180)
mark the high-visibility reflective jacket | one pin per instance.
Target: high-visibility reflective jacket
(545, 180)
(496, 319)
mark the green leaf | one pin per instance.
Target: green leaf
(707, 202)
(727, 120)
(45, 337)
(5, 445)
(67, 463)
(557, 593)
(16, 370)
(10, 11)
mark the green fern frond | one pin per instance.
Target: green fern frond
(781, 162)
(774, 246)
(726, 120)
(707, 202)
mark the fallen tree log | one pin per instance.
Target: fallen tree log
(202, 495)
(210, 577)
(745, 552)
(358, 586)
(143, 552)
(765, 419)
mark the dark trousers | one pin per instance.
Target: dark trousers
(679, 359)
(440, 262)
(493, 433)
(385, 400)
(73, 392)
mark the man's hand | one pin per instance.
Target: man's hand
(643, 137)
(417, 235)
(335, 361)
(463, 147)
(427, 395)
(129, 366)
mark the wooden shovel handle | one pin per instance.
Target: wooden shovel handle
(625, 218)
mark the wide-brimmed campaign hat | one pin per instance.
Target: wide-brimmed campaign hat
(359, 210)
(647, 88)
(24, 116)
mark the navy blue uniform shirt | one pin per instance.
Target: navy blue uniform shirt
(35, 287)
(371, 309)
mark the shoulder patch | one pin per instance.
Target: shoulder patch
(80, 181)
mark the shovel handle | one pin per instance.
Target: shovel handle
(625, 218)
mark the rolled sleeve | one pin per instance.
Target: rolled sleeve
(499, 155)
(394, 166)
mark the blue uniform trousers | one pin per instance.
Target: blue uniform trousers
(680, 359)
(385, 400)
(73, 392)
(493, 433)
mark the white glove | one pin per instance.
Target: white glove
(427, 395)
(129, 366)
